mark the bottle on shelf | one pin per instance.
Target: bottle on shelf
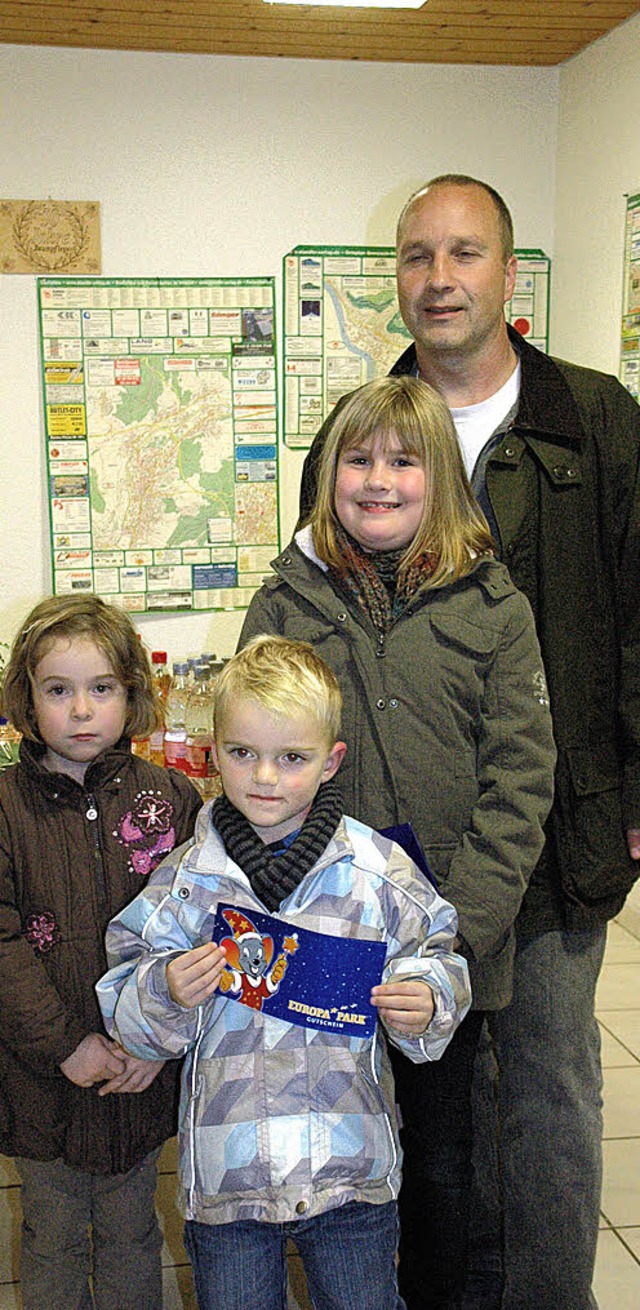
(192, 660)
(161, 678)
(160, 673)
(199, 724)
(215, 665)
(175, 736)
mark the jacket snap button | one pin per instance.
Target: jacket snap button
(393, 703)
(571, 473)
(509, 452)
(184, 893)
(286, 560)
(558, 471)
(342, 618)
(302, 1207)
(380, 703)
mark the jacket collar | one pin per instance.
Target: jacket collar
(106, 769)
(305, 543)
(489, 574)
(546, 408)
(208, 857)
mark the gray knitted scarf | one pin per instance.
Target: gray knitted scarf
(273, 876)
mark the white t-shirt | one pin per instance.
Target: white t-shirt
(475, 424)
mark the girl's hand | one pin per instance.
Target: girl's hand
(95, 1059)
(405, 1005)
(137, 1075)
(193, 977)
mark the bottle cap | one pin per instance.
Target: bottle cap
(158, 657)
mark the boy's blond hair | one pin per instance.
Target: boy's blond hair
(453, 527)
(285, 678)
(90, 618)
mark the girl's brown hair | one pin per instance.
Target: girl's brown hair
(453, 527)
(110, 629)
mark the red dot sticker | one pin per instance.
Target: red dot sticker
(522, 325)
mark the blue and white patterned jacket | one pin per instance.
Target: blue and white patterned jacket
(279, 1121)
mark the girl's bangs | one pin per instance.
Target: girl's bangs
(389, 434)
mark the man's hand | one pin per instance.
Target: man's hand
(633, 842)
(136, 1077)
(95, 1059)
(194, 976)
(405, 1005)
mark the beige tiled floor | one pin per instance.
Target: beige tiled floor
(617, 1283)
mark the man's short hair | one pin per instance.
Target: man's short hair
(284, 677)
(505, 220)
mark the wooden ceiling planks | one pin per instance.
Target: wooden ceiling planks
(524, 32)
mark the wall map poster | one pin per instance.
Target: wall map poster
(342, 325)
(630, 334)
(161, 427)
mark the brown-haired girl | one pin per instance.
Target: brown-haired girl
(82, 824)
(447, 725)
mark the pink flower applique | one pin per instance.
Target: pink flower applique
(143, 861)
(147, 829)
(41, 932)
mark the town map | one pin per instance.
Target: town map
(161, 424)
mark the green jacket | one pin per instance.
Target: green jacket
(447, 727)
(564, 487)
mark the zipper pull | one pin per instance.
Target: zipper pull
(91, 812)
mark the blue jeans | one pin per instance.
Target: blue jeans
(348, 1255)
(547, 1049)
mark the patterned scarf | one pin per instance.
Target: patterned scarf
(272, 876)
(371, 578)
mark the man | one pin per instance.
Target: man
(553, 452)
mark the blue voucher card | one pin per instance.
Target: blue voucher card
(304, 977)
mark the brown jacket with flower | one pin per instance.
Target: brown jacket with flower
(71, 857)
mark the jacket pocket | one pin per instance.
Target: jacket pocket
(457, 632)
(595, 864)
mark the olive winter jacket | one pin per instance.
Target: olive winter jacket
(447, 727)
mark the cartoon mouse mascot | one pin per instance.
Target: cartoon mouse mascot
(247, 977)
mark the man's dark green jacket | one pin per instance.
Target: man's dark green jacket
(564, 487)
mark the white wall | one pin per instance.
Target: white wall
(598, 162)
(216, 166)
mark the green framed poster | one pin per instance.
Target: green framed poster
(342, 325)
(160, 409)
(630, 330)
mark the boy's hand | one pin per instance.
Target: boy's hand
(194, 976)
(405, 1005)
(95, 1059)
(136, 1077)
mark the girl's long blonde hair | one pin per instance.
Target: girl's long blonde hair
(453, 528)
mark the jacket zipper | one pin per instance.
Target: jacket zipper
(91, 813)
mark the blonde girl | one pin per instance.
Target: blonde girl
(446, 719)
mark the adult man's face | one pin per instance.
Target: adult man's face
(452, 277)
